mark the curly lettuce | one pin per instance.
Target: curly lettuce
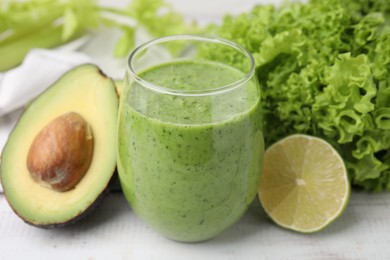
(324, 69)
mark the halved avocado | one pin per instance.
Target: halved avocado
(88, 93)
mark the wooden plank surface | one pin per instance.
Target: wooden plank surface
(113, 231)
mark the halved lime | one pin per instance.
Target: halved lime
(304, 185)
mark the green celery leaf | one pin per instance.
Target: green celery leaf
(70, 24)
(125, 43)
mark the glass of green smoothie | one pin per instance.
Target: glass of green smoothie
(190, 141)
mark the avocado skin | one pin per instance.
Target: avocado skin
(118, 87)
(112, 184)
(115, 185)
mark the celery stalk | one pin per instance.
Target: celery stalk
(13, 52)
(48, 23)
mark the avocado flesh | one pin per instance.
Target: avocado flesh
(84, 90)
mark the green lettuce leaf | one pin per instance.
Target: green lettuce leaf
(324, 69)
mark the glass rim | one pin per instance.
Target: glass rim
(195, 92)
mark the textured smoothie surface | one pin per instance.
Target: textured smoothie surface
(189, 166)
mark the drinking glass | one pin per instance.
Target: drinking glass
(190, 141)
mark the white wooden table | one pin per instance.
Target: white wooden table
(113, 231)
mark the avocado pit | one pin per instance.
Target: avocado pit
(61, 153)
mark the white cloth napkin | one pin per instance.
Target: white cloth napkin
(39, 70)
(18, 86)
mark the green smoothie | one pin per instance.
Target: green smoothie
(189, 165)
